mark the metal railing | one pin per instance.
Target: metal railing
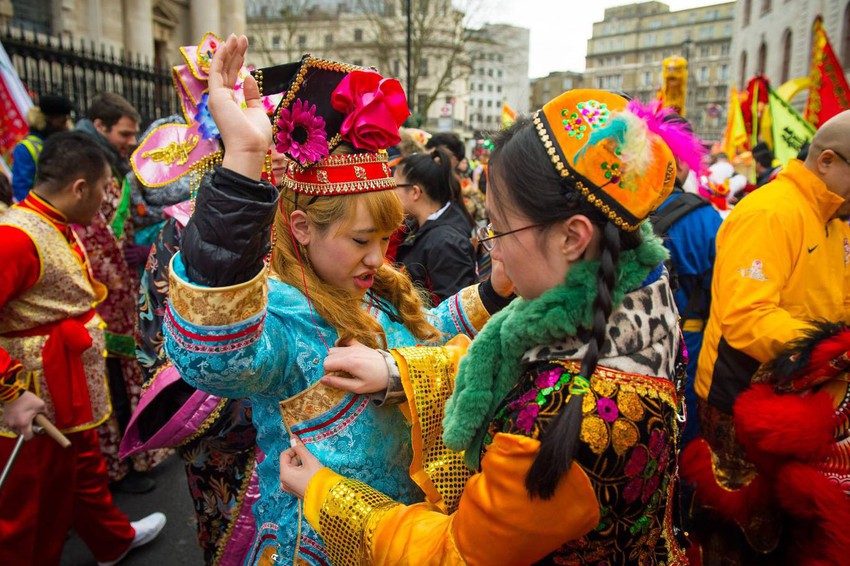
(80, 70)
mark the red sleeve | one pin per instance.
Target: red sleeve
(21, 269)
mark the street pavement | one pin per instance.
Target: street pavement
(176, 545)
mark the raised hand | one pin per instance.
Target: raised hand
(245, 132)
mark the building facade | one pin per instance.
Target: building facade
(544, 89)
(460, 77)
(151, 30)
(774, 38)
(499, 56)
(628, 46)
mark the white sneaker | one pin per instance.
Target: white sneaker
(146, 529)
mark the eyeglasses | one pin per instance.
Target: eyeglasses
(403, 185)
(486, 234)
(844, 159)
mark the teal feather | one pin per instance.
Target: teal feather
(615, 129)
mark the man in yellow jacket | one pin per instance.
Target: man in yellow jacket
(783, 260)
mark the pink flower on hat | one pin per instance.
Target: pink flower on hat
(301, 134)
(375, 108)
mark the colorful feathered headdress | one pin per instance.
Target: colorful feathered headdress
(616, 152)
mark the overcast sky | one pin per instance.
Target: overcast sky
(560, 28)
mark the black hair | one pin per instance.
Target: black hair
(68, 156)
(435, 174)
(522, 176)
(763, 155)
(431, 171)
(448, 141)
(5, 189)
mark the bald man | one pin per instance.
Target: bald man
(783, 260)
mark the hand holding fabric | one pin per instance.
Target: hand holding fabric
(136, 255)
(366, 368)
(297, 468)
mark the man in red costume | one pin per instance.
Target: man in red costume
(52, 361)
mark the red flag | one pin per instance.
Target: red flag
(828, 93)
(13, 125)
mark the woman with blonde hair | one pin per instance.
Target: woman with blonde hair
(236, 331)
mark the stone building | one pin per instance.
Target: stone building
(459, 76)
(150, 29)
(544, 89)
(629, 44)
(499, 56)
(774, 38)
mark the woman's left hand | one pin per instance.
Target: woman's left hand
(297, 468)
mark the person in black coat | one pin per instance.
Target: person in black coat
(437, 252)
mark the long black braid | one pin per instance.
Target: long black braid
(560, 440)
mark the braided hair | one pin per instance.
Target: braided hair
(522, 177)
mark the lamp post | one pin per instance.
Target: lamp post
(409, 54)
(686, 53)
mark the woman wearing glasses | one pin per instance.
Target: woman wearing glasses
(436, 253)
(565, 404)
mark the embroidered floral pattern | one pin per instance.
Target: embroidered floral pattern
(574, 124)
(612, 173)
(595, 114)
(301, 133)
(626, 449)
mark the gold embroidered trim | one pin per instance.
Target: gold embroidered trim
(217, 306)
(208, 422)
(313, 402)
(564, 171)
(431, 375)
(348, 518)
(473, 307)
(653, 387)
(248, 473)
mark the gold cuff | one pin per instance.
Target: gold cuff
(473, 307)
(348, 518)
(217, 306)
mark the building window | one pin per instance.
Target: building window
(703, 74)
(329, 41)
(397, 68)
(720, 92)
(724, 49)
(489, 104)
(423, 67)
(743, 78)
(499, 73)
(489, 88)
(648, 57)
(421, 103)
(358, 35)
(787, 39)
(499, 88)
(647, 79)
(762, 59)
(748, 4)
(275, 42)
(302, 42)
(724, 72)
(35, 16)
(705, 51)
(765, 6)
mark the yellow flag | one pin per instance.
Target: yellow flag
(790, 130)
(508, 115)
(735, 137)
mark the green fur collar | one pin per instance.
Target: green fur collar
(492, 365)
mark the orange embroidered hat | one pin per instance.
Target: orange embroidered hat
(612, 149)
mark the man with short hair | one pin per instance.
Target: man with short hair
(51, 361)
(116, 261)
(783, 261)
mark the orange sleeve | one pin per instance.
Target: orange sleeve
(496, 522)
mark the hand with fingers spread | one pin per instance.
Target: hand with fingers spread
(20, 413)
(366, 368)
(297, 468)
(245, 132)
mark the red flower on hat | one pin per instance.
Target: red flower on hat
(301, 134)
(375, 108)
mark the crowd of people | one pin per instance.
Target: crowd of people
(593, 345)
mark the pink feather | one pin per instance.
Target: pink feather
(684, 144)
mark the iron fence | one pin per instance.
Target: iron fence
(80, 70)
